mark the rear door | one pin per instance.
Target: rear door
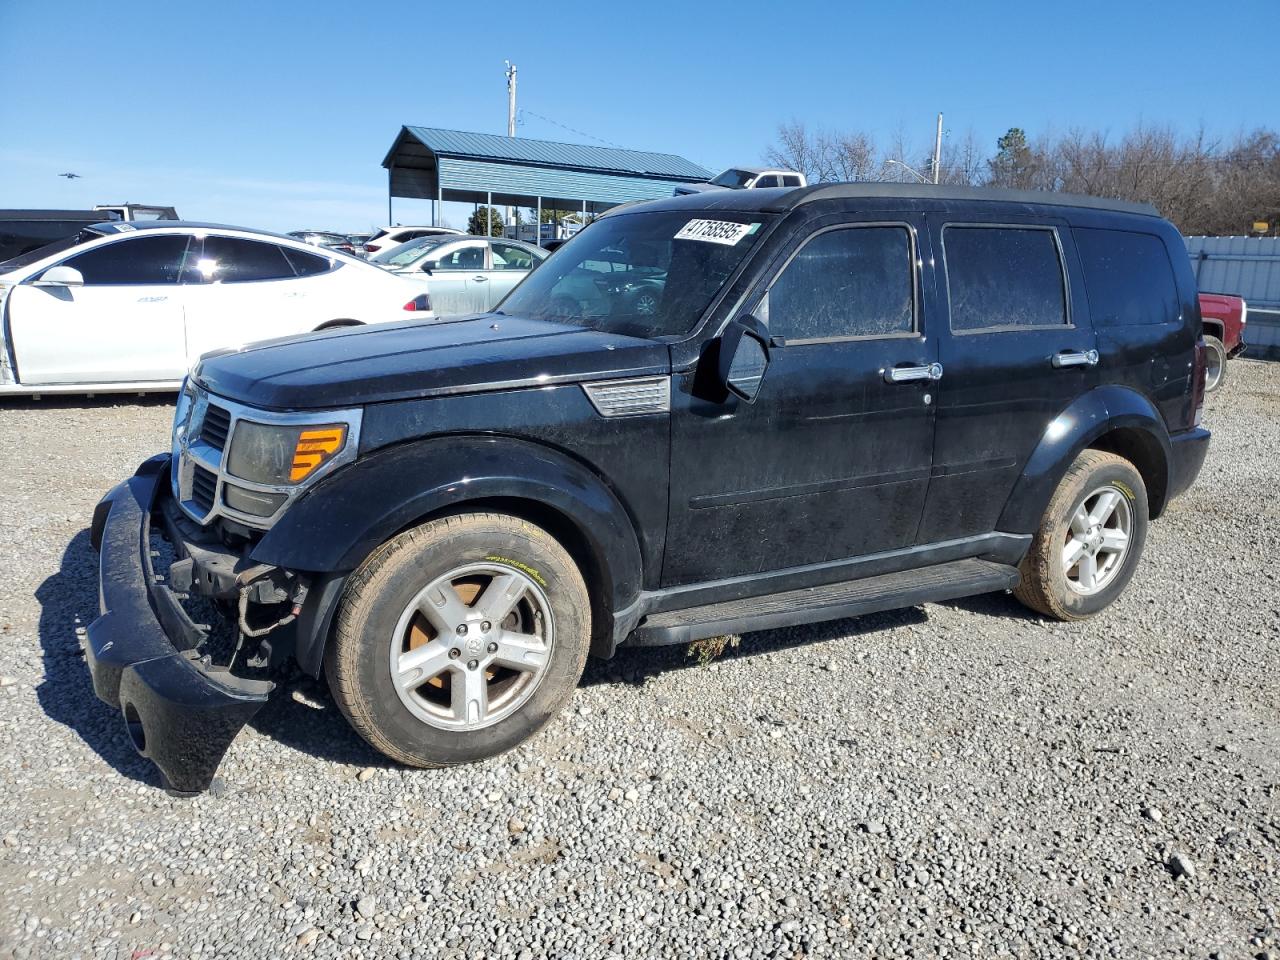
(245, 290)
(509, 265)
(832, 459)
(1016, 350)
(125, 324)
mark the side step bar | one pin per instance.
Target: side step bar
(889, 591)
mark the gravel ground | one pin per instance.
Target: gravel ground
(953, 780)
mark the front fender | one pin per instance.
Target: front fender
(336, 525)
(1080, 425)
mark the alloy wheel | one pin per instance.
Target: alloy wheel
(1097, 540)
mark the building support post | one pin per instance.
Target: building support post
(584, 215)
(488, 215)
(435, 209)
(390, 175)
(537, 225)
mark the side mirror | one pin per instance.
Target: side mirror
(61, 277)
(428, 266)
(744, 357)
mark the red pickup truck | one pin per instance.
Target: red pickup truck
(1223, 316)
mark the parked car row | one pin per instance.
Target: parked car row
(130, 306)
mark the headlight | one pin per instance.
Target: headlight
(282, 454)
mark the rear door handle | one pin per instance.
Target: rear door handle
(928, 371)
(479, 278)
(1075, 358)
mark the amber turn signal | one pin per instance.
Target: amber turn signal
(315, 446)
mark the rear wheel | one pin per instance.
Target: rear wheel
(1089, 540)
(1215, 355)
(459, 639)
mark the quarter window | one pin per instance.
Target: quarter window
(853, 282)
(1003, 277)
(136, 260)
(234, 260)
(1129, 277)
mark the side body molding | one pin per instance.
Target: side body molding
(1089, 417)
(335, 526)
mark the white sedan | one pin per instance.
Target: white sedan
(462, 274)
(130, 306)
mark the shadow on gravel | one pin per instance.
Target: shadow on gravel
(994, 605)
(69, 599)
(81, 401)
(319, 731)
(634, 664)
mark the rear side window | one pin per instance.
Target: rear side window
(851, 282)
(233, 260)
(305, 264)
(1129, 277)
(1003, 277)
(135, 260)
(509, 257)
(791, 181)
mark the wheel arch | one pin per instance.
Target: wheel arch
(1110, 418)
(334, 527)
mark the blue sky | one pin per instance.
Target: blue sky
(277, 114)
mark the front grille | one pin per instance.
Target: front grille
(204, 484)
(217, 421)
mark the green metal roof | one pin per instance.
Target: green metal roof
(574, 156)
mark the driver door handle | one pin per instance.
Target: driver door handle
(479, 277)
(1075, 358)
(928, 371)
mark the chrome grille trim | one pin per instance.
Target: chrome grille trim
(630, 397)
(197, 460)
(216, 426)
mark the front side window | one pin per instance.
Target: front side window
(767, 180)
(235, 260)
(507, 256)
(133, 260)
(463, 258)
(850, 282)
(1003, 277)
(639, 274)
(1129, 278)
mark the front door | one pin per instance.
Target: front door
(458, 280)
(1017, 352)
(125, 324)
(832, 459)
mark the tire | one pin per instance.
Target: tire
(1216, 359)
(1052, 587)
(436, 721)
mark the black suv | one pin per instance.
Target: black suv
(845, 398)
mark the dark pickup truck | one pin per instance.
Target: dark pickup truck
(844, 398)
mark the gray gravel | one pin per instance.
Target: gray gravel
(954, 780)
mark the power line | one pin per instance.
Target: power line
(563, 126)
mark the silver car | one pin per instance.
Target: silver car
(462, 274)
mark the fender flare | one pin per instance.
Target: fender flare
(333, 527)
(1083, 422)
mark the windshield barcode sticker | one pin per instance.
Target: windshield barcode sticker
(715, 231)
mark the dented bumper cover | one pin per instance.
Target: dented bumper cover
(181, 712)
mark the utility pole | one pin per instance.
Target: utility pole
(511, 121)
(937, 151)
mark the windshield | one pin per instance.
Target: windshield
(410, 251)
(638, 274)
(733, 178)
(49, 249)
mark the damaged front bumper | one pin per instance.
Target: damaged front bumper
(181, 710)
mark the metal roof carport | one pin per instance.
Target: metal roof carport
(426, 163)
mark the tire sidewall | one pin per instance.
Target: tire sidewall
(400, 581)
(1128, 481)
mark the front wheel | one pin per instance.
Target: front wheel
(459, 639)
(1089, 540)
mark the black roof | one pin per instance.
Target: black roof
(784, 199)
(88, 216)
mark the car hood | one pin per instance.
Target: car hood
(351, 366)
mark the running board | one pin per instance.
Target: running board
(888, 591)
